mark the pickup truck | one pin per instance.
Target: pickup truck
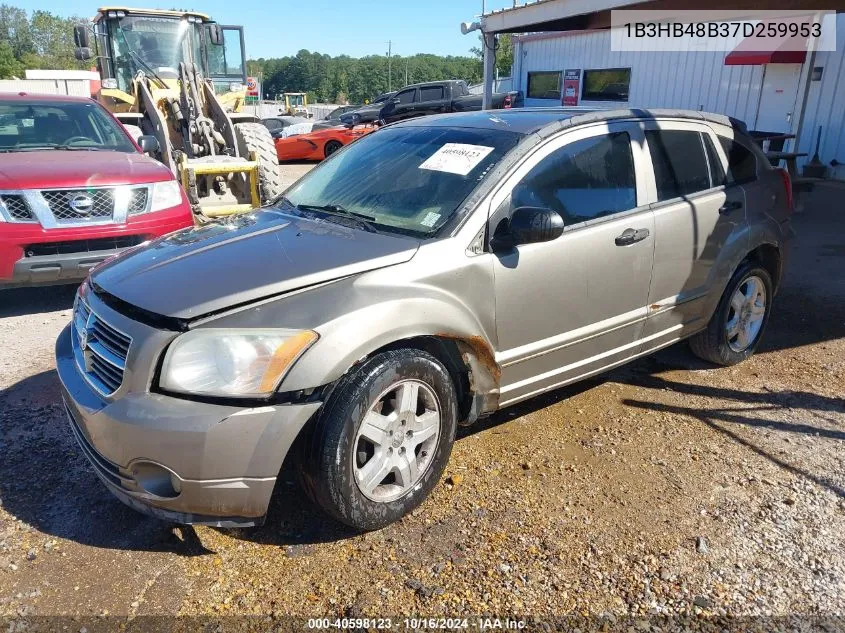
(437, 97)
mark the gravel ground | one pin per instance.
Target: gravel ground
(667, 487)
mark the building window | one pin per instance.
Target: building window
(544, 85)
(607, 84)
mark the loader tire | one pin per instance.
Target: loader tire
(255, 137)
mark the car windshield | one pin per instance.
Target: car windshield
(407, 180)
(70, 125)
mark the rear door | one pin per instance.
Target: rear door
(698, 217)
(432, 100)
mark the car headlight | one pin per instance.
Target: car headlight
(232, 363)
(166, 194)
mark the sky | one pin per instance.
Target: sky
(275, 28)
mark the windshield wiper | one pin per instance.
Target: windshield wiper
(335, 209)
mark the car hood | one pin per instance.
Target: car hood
(43, 169)
(198, 271)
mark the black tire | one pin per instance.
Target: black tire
(327, 452)
(712, 344)
(331, 147)
(255, 137)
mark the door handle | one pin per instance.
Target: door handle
(631, 236)
(733, 205)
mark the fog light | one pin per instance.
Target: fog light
(156, 480)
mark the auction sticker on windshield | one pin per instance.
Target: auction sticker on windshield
(456, 158)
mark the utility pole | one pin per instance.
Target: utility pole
(406, 72)
(389, 77)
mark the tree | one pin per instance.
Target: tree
(44, 40)
(9, 65)
(504, 53)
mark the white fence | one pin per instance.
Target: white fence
(319, 111)
(504, 84)
(73, 87)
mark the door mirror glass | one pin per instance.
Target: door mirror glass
(528, 225)
(81, 36)
(148, 144)
(83, 53)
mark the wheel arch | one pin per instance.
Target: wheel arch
(769, 257)
(469, 360)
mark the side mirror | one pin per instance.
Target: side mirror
(527, 225)
(395, 101)
(215, 34)
(83, 53)
(148, 144)
(82, 36)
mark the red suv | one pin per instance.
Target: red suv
(75, 189)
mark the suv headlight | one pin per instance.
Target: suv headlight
(232, 363)
(166, 194)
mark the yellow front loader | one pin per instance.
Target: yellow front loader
(181, 77)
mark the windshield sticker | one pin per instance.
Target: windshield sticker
(456, 158)
(430, 219)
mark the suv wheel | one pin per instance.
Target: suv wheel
(382, 439)
(737, 325)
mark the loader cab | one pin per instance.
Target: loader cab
(154, 42)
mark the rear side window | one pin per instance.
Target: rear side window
(586, 179)
(680, 167)
(431, 93)
(742, 163)
(717, 170)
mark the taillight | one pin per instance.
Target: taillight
(787, 186)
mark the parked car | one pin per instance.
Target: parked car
(381, 302)
(333, 118)
(319, 144)
(367, 113)
(76, 189)
(438, 97)
(277, 125)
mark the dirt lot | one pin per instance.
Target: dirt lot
(664, 487)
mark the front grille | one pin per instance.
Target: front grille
(100, 349)
(138, 201)
(17, 208)
(83, 246)
(73, 205)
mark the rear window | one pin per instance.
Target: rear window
(72, 125)
(742, 163)
(680, 166)
(409, 180)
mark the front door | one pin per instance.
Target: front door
(576, 305)
(778, 98)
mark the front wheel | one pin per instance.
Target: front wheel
(382, 440)
(255, 137)
(737, 325)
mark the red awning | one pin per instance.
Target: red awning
(779, 50)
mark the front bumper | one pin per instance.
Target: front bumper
(222, 461)
(19, 268)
